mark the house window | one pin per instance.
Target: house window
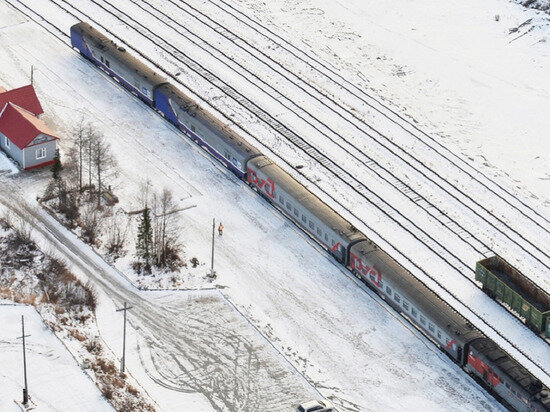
(41, 153)
(6, 141)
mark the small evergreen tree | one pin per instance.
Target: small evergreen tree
(57, 167)
(144, 246)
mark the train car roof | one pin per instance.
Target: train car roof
(103, 42)
(424, 299)
(208, 119)
(516, 371)
(307, 199)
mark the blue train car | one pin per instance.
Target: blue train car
(123, 67)
(228, 147)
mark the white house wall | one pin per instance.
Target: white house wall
(12, 150)
(30, 153)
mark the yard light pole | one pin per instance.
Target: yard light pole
(23, 336)
(213, 237)
(122, 364)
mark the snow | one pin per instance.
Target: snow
(6, 165)
(328, 344)
(55, 380)
(267, 268)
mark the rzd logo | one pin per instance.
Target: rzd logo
(267, 186)
(365, 270)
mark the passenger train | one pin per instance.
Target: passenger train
(478, 355)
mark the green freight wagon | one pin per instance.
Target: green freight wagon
(521, 296)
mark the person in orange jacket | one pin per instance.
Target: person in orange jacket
(220, 229)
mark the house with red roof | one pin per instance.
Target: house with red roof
(23, 136)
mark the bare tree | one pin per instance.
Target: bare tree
(91, 222)
(82, 133)
(104, 163)
(166, 229)
(117, 231)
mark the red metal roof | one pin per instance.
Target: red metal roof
(24, 97)
(21, 127)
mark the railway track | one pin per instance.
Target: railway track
(330, 74)
(449, 257)
(531, 248)
(488, 328)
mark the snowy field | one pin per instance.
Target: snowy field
(56, 382)
(351, 347)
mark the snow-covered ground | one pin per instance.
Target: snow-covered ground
(475, 82)
(56, 382)
(413, 255)
(183, 348)
(6, 165)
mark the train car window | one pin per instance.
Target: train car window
(319, 231)
(311, 225)
(227, 155)
(296, 212)
(439, 334)
(388, 290)
(326, 237)
(431, 327)
(446, 341)
(107, 63)
(397, 298)
(422, 320)
(192, 128)
(372, 279)
(288, 206)
(102, 61)
(406, 305)
(507, 385)
(281, 199)
(413, 312)
(304, 219)
(381, 284)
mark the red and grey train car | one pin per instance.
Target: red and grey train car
(467, 346)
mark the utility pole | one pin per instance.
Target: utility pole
(26, 388)
(124, 309)
(212, 274)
